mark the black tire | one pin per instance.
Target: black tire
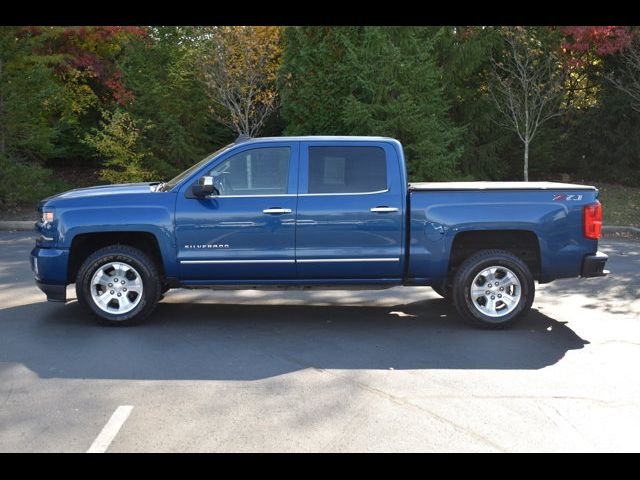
(136, 259)
(474, 265)
(164, 289)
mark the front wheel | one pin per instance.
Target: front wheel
(119, 284)
(492, 289)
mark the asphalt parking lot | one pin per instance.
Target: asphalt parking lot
(390, 370)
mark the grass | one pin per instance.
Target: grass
(620, 204)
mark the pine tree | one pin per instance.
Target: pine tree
(371, 81)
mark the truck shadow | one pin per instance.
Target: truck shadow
(202, 341)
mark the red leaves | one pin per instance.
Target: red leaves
(91, 50)
(119, 92)
(603, 40)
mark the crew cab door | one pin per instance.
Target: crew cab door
(350, 211)
(247, 232)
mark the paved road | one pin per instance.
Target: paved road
(389, 370)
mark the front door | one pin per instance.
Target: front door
(350, 211)
(247, 232)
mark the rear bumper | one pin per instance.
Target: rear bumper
(54, 293)
(593, 265)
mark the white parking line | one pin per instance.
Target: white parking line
(111, 429)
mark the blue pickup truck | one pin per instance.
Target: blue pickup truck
(315, 212)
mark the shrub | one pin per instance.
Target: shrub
(25, 183)
(117, 140)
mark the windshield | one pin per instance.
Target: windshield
(177, 179)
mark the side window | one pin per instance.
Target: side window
(261, 171)
(347, 169)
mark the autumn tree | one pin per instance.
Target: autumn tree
(240, 66)
(583, 50)
(526, 86)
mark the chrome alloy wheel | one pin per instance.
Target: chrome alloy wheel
(116, 288)
(495, 291)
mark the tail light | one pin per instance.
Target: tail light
(592, 220)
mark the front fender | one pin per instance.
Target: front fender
(157, 220)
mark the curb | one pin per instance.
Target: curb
(18, 225)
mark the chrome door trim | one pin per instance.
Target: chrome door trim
(235, 261)
(305, 260)
(341, 260)
(341, 194)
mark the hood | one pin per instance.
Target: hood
(124, 188)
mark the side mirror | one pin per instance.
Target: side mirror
(204, 187)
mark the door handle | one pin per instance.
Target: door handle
(384, 209)
(276, 210)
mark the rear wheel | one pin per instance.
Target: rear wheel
(119, 284)
(493, 288)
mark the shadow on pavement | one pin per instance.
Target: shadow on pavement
(617, 293)
(201, 341)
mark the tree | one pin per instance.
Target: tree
(628, 81)
(240, 66)
(163, 74)
(527, 85)
(117, 140)
(583, 50)
(86, 66)
(371, 81)
(463, 54)
(27, 91)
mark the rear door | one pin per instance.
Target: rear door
(350, 211)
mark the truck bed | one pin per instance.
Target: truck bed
(430, 186)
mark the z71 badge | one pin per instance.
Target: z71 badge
(561, 196)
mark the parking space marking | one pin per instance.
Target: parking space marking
(111, 429)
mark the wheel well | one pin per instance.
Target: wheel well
(85, 244)
(522, 243)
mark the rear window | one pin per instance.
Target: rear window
(347, 169)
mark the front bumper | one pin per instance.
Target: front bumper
(54, 293)
(593, 265)
(49, 266)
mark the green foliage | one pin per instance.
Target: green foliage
(603, 142)
(27, 96)
(25, 183)
(132, 103)
(463, 54)
(314, 87)
(118, 140)
(170, 100)
(371, 81)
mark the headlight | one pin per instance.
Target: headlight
(47, 217)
